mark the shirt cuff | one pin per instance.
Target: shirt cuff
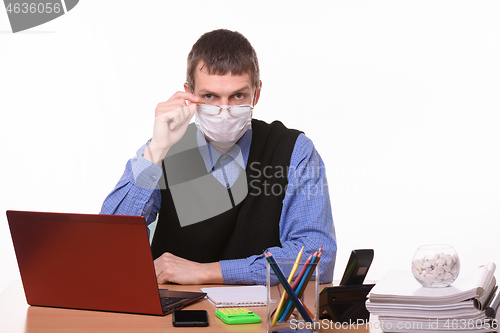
(146, 173)
(249, 270)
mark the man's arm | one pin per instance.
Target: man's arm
(306, 220)
(136, 192)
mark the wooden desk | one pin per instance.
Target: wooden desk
(16, 316)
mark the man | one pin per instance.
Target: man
(229, 186)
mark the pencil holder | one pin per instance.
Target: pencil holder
(306, 287)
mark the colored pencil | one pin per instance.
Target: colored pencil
(290, 278)
(288, 288)
(296, 283)
(288, 306)
(302, 285)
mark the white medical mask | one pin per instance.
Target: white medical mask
(220, 128)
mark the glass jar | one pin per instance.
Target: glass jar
(435, 266)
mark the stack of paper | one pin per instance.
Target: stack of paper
(403, 305)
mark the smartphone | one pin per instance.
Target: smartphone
(190, 318)
(357, 267)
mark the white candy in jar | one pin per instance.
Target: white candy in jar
(436, 269)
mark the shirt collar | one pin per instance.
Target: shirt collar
(239, 152)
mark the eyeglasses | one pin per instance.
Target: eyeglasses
(235, 111)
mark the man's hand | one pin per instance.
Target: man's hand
(170, 268)
(171, 121)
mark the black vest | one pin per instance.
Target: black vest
(250, 224)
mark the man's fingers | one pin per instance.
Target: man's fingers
(169, 106)
(186, 96)
(185, 116)
(175, 118)
(180, 116)
(160, 264)
(162, 278)
(192, 108)
(163, 267)
(158, 269)
(178, 100)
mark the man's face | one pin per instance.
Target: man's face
(225, 89)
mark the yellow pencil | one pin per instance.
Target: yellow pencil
(290, 278)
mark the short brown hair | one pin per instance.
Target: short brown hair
(223, 51)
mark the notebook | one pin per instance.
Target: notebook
(93, 262)
(236, 296)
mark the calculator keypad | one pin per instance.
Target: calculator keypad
(237, 316)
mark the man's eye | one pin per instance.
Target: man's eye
(209, 96)
(238, 96)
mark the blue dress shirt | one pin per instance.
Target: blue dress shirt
(306, 217)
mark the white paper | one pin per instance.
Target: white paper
(236, 296)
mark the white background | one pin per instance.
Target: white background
(400, 98)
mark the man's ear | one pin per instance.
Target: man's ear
(257, 93)
(186, 88)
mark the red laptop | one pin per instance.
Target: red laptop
(94, 262)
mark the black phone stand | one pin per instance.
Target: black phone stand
(344, 304)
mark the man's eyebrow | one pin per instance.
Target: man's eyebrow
(242, 89)
(239, 90)
(204, 91)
